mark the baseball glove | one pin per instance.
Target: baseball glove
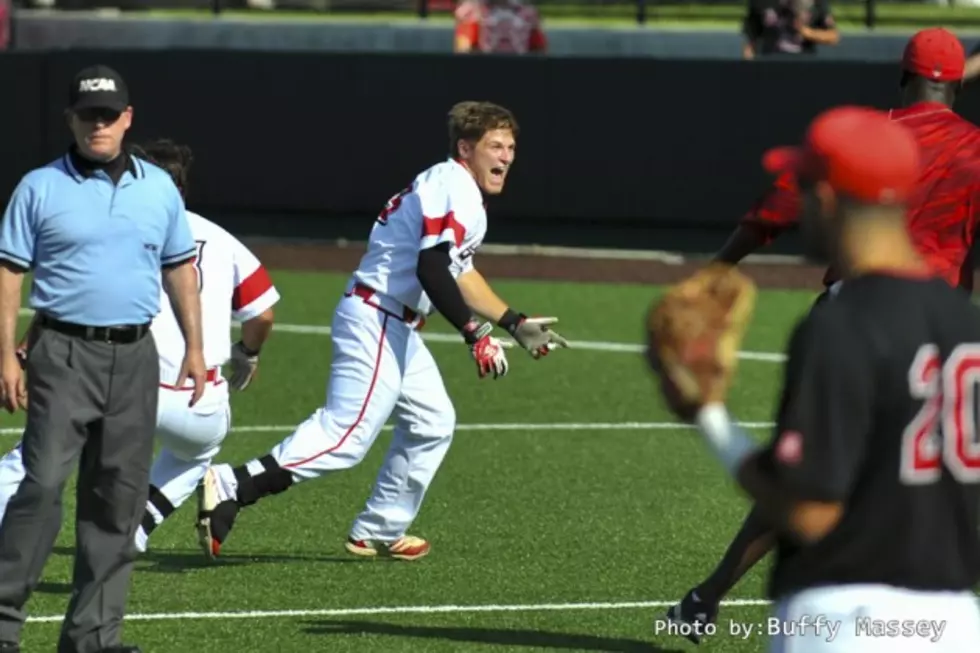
(694, 332)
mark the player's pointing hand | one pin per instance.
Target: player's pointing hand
(532, 333)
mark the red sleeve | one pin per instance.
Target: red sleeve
(468, 22)
(778, 209)
(251, 288)
(469, 30)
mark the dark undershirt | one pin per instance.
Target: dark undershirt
(87, 167)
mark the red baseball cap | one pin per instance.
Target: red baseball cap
(935, 53)
(859, 151)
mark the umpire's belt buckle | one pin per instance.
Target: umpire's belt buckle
(100, 334)
(387, 305)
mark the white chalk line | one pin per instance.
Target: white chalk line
(583, 345)
(554, 426)
(404, 609)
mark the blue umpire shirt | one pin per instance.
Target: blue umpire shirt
(96, 248)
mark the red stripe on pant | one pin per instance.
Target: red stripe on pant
(364, 404)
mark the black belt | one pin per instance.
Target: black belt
(121, 335)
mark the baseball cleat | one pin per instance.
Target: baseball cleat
(216, 514)
(692, 615)
(407, 547)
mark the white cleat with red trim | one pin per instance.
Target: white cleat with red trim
(407, 547)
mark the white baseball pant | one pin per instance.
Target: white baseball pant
(11, 474)
(875, 619)
(380, 367)
(190, 437)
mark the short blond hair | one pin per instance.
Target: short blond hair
(470, 120)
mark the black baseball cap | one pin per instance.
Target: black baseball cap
(98, 87)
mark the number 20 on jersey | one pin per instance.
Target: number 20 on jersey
(945, 428)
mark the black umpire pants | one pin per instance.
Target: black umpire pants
(92, 405)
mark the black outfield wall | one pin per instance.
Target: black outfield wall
(612, 152)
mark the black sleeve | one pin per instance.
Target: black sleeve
(825, 414)
(439, 285)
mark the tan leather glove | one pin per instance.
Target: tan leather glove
(694, 332)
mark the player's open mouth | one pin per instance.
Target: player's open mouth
(497, 173)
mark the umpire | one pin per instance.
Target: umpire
(96, 226)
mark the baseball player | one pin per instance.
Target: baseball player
(871, 483)
(419, 258)
(939, 215)
(229, 275)
(942, 216)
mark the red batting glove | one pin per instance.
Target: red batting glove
(485, 349)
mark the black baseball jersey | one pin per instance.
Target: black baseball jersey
(879, 412)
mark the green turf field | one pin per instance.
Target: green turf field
(547, 532)
(848, 14)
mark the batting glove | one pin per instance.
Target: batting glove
(486, 350)
(532, 333)
(244, 364)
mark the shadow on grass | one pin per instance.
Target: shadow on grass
(498, 636)
(177, 561)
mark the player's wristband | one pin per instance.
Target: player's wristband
(728, 442)
(510, 320)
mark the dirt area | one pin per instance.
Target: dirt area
(334, 258)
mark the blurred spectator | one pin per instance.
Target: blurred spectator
(787, 27)
(6, 10)
(498, 26)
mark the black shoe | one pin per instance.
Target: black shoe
(692, 616)
(9, 647)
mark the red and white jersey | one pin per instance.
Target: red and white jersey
(233, 285)
(443, 205)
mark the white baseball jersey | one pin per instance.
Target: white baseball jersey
(443, 205)
(233, 285)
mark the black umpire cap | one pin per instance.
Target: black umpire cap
(98, 87)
